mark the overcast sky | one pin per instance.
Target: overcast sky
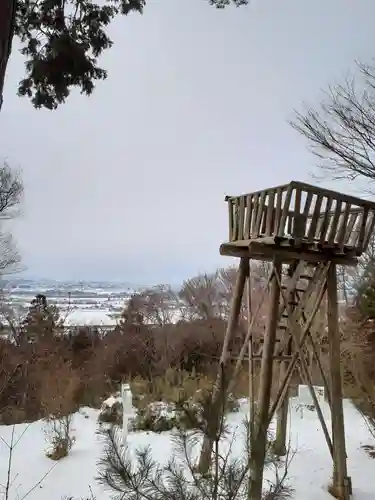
(129, 184)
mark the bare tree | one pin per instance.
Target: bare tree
(202, 296)
(11, 191)
(344, 283)
(350, 280)
(158, 305)
(209, 295)
(342, 132)
(226, 280)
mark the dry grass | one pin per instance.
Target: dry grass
(58, 402)
(172, 387)
(176, 385)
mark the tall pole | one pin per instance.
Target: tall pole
(341, 483)
(279, 446)
(259, 442)
(251, 359)
(218, 389)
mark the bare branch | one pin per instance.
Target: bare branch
(11, 191)
(341, 133)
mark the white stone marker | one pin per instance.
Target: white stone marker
(127, 410)
(304, 394)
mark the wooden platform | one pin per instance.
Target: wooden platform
(290, 250)
(299, 221)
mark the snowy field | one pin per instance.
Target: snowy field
(90, 303)
(86, 303)
(93, 317)
(75, 475)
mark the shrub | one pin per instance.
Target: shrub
(59, 437)
(140, 476)
(157, 417)
(165, 403)
(145, 478)
(366, 298)
(173, 386)
(58, 402)
(111, 410)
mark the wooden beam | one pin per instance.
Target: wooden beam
(268, 253)
(279, 445)
(244, 347)
(341, 482)
(259, 441)
(243, 271)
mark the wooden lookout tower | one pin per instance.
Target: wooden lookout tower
(304, 232)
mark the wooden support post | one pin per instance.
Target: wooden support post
(279, 445)
(252, 392)
(341, 486)
(250, 345)
(243, 271)
(259, 441)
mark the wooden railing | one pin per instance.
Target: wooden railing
(302, 211)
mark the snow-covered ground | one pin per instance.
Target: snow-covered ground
(93, 317)
(74, 475)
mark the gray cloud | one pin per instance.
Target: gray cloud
(129, 183)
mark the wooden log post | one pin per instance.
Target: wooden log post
(251, 342)
(279, 445)
(243, 271)
(341, 484)
(259, 440)
(252, 392)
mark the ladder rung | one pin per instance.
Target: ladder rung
(294, 289)
(261, 341)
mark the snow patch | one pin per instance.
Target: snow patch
(74, 475)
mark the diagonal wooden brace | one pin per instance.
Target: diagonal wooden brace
(313, 341)
(219, 389)
(319, 275)
(248, 336)
(290, 287)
